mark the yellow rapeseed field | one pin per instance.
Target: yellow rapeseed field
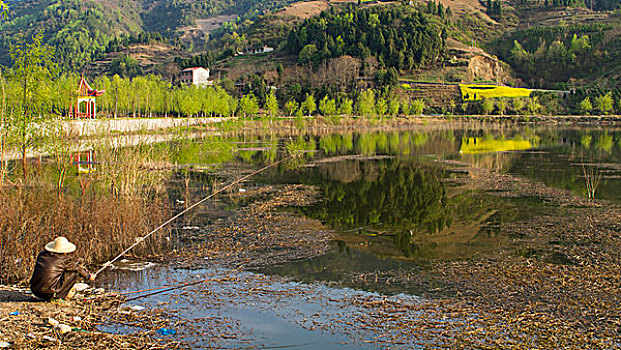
(475, 92)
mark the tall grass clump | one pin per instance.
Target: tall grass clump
(103, 213)
(101, 226)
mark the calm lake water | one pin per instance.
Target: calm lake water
(394, 203)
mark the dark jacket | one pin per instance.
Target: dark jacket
(52, 272)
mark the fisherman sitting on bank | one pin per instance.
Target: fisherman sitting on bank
(56, 272)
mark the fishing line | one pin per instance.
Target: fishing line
(188, 209)
(185, 285)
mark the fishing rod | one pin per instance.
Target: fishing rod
(125, 293)
(185, 285)
(188, 209)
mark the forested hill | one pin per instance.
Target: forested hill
(400, 37)
(81, 30)
(556, 44)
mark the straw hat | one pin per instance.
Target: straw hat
(60, 245)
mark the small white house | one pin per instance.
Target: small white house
(198, 76)
(257, 51)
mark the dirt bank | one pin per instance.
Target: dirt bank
(27, 323)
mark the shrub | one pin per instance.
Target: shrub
(604, 103)
(585, 106)
(417, 107)
(487, 105)
(347, 107)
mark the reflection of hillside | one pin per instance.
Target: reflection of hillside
(403, 210)
(385, 193)
(469, 233)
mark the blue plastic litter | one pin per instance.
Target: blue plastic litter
(14, 313)
(166, 331)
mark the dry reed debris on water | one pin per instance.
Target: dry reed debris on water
(258, 234)
(555, 287)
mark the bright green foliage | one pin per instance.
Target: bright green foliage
(215, 101)
(142, 96)
(605, 143)
(3, 9)
(405, 107)
(300, 111)
(393, 107)
(533, 105)
(544, 55)
(518, 105)
(417, 107)
(125, 66)
(488, 106)
(586, 141)
(271, 104)
(604, 103)
(327, 106)
(186, 104)
(502, 105)
(586, 106)
(33, 70)
(291, 106)
(580, 45)
(248, 105)
(365, 106)
(307, 53)
(381, 107)
(309, 104)
(347, 107)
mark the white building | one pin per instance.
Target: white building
(256, 51)
(198, 76)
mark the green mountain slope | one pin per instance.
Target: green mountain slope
(547, 43)
(81, 30)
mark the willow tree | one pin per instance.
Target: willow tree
(33, 68)
(271, 104)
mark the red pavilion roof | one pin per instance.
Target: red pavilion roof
(85, 90)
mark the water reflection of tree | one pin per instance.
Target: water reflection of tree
(372, 143)
(389, 194)
(578, 158)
